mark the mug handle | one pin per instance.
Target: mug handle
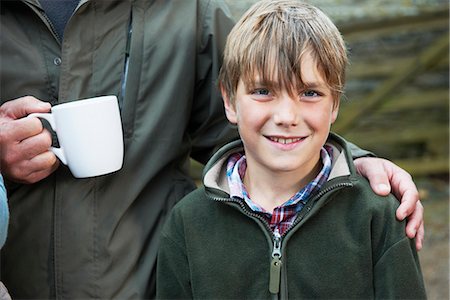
(59, 152)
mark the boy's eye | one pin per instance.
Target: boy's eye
(310, 93)
(261, 92)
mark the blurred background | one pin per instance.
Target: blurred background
(397, 102)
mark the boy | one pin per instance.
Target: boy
(282, 212)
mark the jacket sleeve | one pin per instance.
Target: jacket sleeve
(208, 127)
(355, 151)
(358, 152)
(172, 275)
(4, 213)
(397, 275)
(396, 268)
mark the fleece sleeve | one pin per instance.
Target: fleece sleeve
(172, 271)
(397, 274)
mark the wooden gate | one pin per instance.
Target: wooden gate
(397, 98)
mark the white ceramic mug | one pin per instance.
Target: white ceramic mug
(90, 135)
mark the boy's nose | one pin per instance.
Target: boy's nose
(286, 113)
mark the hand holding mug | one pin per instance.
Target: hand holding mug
(90, 135)
(24, 155)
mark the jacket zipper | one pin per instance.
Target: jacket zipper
(52, 28)
(246, 211)
(43, 16)
(276, 263)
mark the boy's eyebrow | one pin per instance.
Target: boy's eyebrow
(262, 83)
(315, 84)
(258, 82)
(303, 85)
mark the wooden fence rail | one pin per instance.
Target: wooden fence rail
(398, 102)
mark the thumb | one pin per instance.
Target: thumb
(381, 188)
(21, 107)
(373, 169)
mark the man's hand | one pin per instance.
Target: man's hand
(24, 144)
(384, 175)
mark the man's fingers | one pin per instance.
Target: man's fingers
(22, 107)
(374, 170)
(45, 164)
(35, 169)
(46, 161)
(402, 181)
(409, 204)
(420, 236)
(415, 220)
(24, 144)
(382, 189)
(15, 150)
(35, 144)
(20, 129)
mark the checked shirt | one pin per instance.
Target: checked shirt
(284, 215)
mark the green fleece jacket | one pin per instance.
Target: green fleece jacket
(345, 243)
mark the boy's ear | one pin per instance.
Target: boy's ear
(230, 109)
(335, 112)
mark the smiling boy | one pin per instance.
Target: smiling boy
(283, 212)
(283, 131)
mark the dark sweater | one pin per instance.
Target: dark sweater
(59, 13)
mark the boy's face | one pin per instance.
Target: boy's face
(283, 133)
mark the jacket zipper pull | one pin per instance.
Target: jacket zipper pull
(275, 264)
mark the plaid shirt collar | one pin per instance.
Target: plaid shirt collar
(284, 215)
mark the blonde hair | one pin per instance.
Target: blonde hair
(270, 40)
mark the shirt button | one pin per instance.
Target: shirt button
(57, 61)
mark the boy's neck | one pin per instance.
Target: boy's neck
(270, 190)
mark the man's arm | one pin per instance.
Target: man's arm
(208, 126)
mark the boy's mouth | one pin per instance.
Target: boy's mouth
(285, 141)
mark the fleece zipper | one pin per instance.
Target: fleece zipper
(275, 264)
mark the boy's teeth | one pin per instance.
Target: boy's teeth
(284, 141)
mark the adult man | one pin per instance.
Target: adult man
(98, 237)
